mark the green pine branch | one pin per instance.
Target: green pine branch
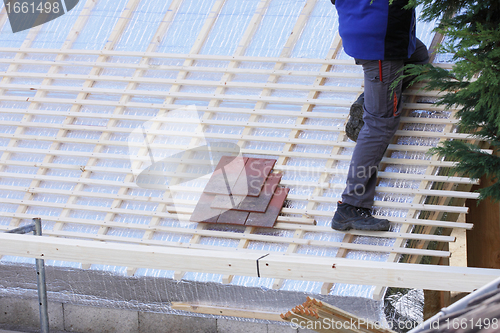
(472, 35)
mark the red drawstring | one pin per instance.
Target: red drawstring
(380, 69)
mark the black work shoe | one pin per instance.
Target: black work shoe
(355, 121)
(349, 217)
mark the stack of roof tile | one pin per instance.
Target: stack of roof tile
(242, 191)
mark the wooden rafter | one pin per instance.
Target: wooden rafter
(295, 267)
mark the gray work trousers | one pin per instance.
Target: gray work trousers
(382, 110)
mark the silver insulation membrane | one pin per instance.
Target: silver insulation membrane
(268, 41)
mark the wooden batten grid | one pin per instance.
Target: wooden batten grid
(73, 34)
(296, 228)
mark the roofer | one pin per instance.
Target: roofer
(381, 38)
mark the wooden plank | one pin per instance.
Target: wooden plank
(229, 235)
(200, 83)
(187, 68)
(172, 94)
(340, 75)
(392, 190)
(283, 223)
(444, 135)
(252, 179)
(395, 205)
(295, 267)
(188, 210)
(404, 148)
(350, 246)
(325, 312)
(306, 224)
(418, 106)
(198, 56)
(194, 96)
(313, 170)
(237, 56)
(262, 111)
(326, 318)
(226, 311)
(203, 83)
(267, 219)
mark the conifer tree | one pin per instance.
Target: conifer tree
(472, 31)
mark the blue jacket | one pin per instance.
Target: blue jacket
(375, 30)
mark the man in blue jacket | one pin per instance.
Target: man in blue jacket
(381, 37)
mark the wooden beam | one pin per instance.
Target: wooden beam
(258, 237)
(303, 268)
(163, 106)
(312, 212)
(311, 170)
(247, 137)
(248, 237)
(238, 58)
(198, 96)
(184, 245)
(188, 68)
(261, 111)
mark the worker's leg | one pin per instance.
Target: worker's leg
(382, 108)
(355, 121)
(419, 57)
